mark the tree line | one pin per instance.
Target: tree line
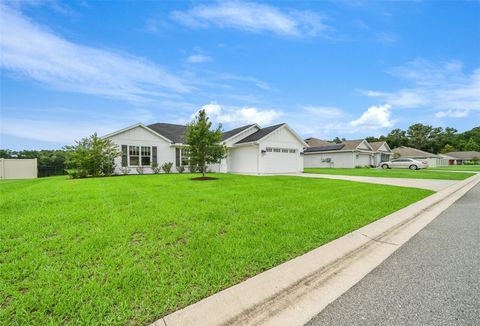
(432, 139)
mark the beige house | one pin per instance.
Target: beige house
(346, 154)
(433, 160)
(459, 158)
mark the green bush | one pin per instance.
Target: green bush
(140, 170)
(92, 156)
(181, 169)
(167, 167)
(156, 168)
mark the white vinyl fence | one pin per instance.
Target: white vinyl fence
(12, 168)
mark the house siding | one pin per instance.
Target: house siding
(338, 160)
(139, 136)
(273, 162)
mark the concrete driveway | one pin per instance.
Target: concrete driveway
(435, 185)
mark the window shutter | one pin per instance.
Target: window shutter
(154, 154)
(177, 156)
(124, 155)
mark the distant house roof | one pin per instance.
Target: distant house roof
(176, 133)
(412, 152)
(318, 145)
(260, 134)
(314, 142)
(465, 155)
(331, 147)
(377, 144)
(351, 144)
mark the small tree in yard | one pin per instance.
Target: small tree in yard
(204, 144)
(92, 156)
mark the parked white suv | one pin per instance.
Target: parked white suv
(404, 163)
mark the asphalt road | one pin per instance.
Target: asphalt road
(433, 279)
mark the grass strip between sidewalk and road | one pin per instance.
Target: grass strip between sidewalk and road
(392, 173)
(458, 168)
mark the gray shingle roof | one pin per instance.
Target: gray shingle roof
(315, 142)
(332, 147)
(176, 133)
(405, 151)
(233, 132)
(376, 145)
(259, 134)
(465, 155)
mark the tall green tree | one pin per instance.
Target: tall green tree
(204, 145)
(396, 138)
(419, 136)
(447, 149)
(471, 145)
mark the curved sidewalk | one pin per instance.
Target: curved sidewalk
(429, 184)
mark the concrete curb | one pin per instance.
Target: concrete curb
(293, 292)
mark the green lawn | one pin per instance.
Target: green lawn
(458, 168)
(128, 250)
(392, 173)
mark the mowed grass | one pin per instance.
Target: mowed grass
(458, 168)
(128, 250)
(392, 173)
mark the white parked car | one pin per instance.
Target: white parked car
(404, 163)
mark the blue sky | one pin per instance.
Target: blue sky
(328, 68)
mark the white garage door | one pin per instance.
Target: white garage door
(281, 160)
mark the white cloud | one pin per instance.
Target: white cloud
(33, 51)
(375, 117)
(324, 111)
(198, 58)
(252, 17)
(403, 98)
(234, 116)
(452, 114)
(445, 88)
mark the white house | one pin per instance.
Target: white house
(251, 149)
(347, 154)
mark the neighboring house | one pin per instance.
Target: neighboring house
(459, 158)
(382, 151)
(347, 154)
(251, 149)
(18, 168)
(433, 160)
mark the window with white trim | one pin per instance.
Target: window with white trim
(276, 150)
(284, 150)
(185, 156)
(139, 155)
(133, 155)
(269, 149)
(292, 151)
(146, 154)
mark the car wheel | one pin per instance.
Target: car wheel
(384, 166)
(413, 167)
